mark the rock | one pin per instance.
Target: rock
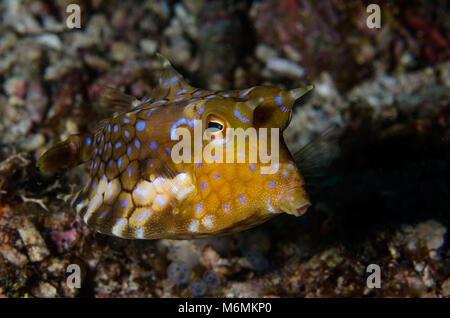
(17, 16)
(15, 87)
(60, 68)
(445, 288)
(444, 70)
(66, 239)
(187, 21)
(410, 280)
(285, 67)
(292, 54)
(46, 290)
(149, 47)
(57, 267)
(181, 251)
(209, 256)
(320, 111)
(36, 101)
(35, 244)
(121, 51)
(178, 48)
(12, 255)
(264, 52)
(8, 41)
(96, 62)
(33, 143)
(430, 234)
(248, 289)
(21, 128)
(50, 40)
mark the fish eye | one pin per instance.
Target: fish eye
(215, 124)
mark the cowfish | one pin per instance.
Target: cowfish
(137, 191)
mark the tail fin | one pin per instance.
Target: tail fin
(67, 154)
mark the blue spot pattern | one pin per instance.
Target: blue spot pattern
(244, 94)
(280, 104)
(140, 125)
(179, 122)
(158, 101)
(238, 114)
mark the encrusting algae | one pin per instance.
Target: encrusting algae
(137, 190)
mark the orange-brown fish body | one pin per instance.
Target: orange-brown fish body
(136, 188)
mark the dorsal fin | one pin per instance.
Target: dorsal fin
(170, 83)
(112, 100)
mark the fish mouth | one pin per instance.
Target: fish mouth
(296, 202)
(302, 209)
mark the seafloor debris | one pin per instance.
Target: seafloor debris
(34, 243)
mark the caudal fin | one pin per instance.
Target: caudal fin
(67, 154)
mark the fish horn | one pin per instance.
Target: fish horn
(164, 61)
(299, 92)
